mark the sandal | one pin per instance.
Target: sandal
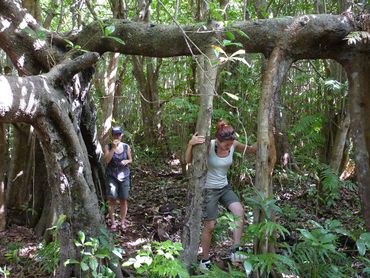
(123, 225)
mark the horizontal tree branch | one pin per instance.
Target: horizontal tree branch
(303, 37)
(68, 68)
(308, 36)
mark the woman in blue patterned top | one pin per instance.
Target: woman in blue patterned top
(117, 155)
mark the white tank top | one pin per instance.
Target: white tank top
(218, 167)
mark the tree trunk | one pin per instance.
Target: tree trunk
(94, 148)
(19, 185)
(191, 231)
(3, 170)
(120, 107)
(150, 106)
(283, 153)
(33, 7)
(277, 67)
(68, 167)
(337, 151)
(108, 98)
(40, 190)
(358, 72)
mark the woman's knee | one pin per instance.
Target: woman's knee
(236, 209)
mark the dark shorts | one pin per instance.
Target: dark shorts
(212, 197)
(117, 189)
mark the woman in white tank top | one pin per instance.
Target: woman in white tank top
(217, 189)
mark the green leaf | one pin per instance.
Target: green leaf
(71, 261)
(70, 44)
(361, 247)
(102, 255)
(366, 238)
(89, 244)
(307, 234)
(230, 35)
(81, 236)
(117, 252)
(93, 263)
(228, 43)
(119, 40)
(109, 30)
(247, 267)
(84, 266)
(241, 33)
(60, 221)
(169, 256)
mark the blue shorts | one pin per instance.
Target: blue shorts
(116, 189)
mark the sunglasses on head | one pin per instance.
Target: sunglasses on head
(226, 135)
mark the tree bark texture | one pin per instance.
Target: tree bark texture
(191, 231)
(314, 36)
(358, 72)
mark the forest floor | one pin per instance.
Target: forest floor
(156, 212)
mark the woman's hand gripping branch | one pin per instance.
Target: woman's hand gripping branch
(195, 140)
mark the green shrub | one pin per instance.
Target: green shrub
(159, 259)
(47, 254)
(316, 254)
(94, 252)
(331, 186)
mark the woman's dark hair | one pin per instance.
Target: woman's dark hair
(224, 131)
